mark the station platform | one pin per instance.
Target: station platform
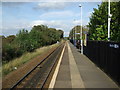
(77, 71)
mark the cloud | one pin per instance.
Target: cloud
(58, 14)
(52, 23)
(66, 33)
(89, 14)
(13, 4)
(111, 0)
(46, 6)
(51, 5)
(57, 0)
(10, 28)
(58, 24)
(53, 0)
(78, 22)
(14, 27)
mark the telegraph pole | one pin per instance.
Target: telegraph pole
(109, 19)
(81, 31)
(75, 35)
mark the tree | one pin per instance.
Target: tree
(10, 38)
(60, 33)
(98, 25)
(24, 41)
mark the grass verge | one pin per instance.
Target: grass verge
(16, 63)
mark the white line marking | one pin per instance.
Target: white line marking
(76, 79)
(52, 83)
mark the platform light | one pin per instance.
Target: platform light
(81, 31)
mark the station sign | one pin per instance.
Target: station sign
(114, 45)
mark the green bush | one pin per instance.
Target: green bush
(24, 41)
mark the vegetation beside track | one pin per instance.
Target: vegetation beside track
(14, 46)
(16, 63)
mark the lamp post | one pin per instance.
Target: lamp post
(81, 31)
(109, 19)
(75, 35)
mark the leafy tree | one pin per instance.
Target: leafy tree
(60, 33)
(24, 41)
(98, 25)
(10, 38)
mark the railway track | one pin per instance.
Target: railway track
(37, 77)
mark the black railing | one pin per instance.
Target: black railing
(105, 55)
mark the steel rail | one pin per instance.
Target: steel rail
(58, 55)
(18, 82)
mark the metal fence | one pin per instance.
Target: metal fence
(105, 55)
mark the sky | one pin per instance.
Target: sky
(59, 15)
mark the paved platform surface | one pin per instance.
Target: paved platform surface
(77, 71)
